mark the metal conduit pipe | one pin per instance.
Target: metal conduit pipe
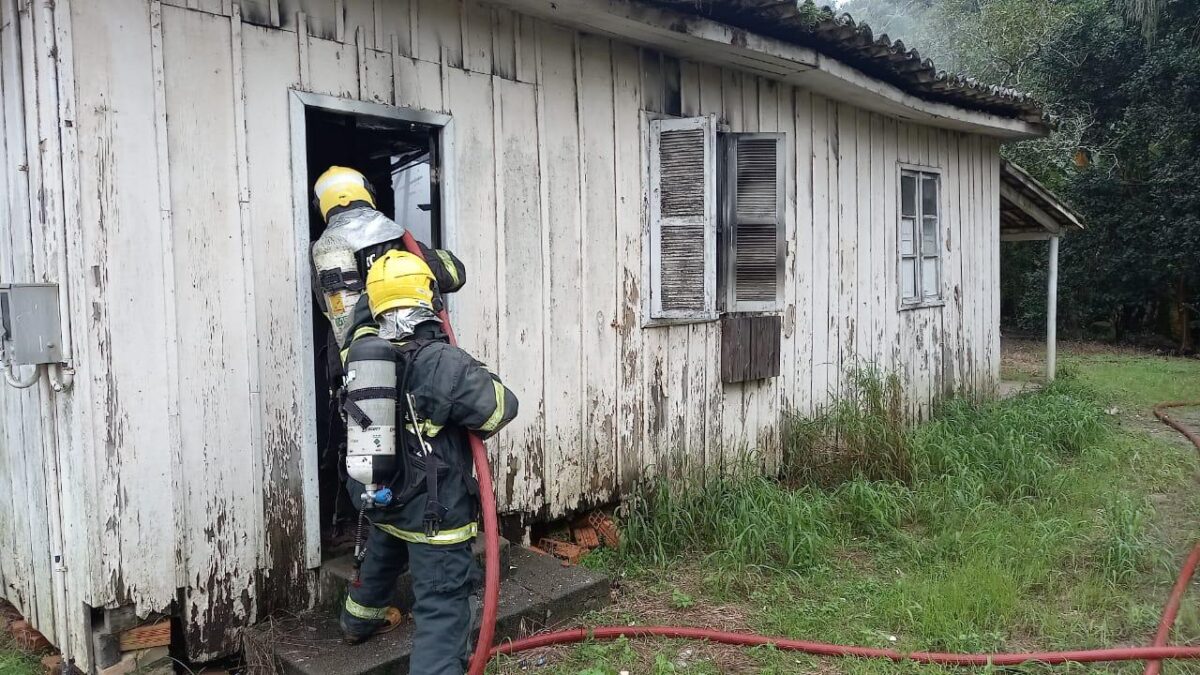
(14, 379)
(484, 650)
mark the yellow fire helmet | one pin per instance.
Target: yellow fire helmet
(399, 279)
(339, 186)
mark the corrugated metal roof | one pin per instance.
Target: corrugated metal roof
(836, 34)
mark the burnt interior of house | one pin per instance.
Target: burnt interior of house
(400, 158)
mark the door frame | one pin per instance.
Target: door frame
(298, 103)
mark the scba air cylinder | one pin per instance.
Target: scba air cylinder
(337, 276)
(370, 407)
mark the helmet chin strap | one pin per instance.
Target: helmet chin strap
(402, 322)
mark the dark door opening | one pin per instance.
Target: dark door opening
(401, 159)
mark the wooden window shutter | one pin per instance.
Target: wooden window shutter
(755, 190)
(683, 218)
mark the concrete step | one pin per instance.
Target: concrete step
(538, 593)
(335, 574)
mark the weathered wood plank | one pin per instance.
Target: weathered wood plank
(768, 390)
(15, 263)
(789, 402)
(324, 18)
(526, 48)
(709, 403)
(504, 24)
(418, 84)
(906, 368)
(878, 226)
(70, 527)
(978, 241)
(438, 36)
(804, 246)
(477, 36)
(396, 18)
(520, 276)
(215, 430)
(117, 105)
(333, 68)
(473, 236)
(599, 253)
(864, 313)
(834, 319)
(43, 158)
(823, 371)
(287, 523)
(692, 340)
(992, 207)
(628, 163)
(358, 19)
(376, 76)
(847, 251)
(562, 292)
(951, 269)
(891, 278)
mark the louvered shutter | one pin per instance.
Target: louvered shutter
(755, 222)
(683, 214)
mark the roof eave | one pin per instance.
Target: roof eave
(702, 39)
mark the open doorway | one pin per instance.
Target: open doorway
(400, 153)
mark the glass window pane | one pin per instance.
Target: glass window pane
(411, 186)
(929, 236)
(908, 277)
(908, 195)
(907, 246)
(929, 195)
(929, 277)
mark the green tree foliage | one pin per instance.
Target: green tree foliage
(1122, 81)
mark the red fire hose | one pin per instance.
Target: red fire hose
(1189, 568)
(491, 527)
(491, 595)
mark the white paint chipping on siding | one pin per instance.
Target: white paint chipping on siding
(182, 444)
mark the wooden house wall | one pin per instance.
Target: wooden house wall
(184, 427)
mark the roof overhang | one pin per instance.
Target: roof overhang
(702, 39)
(1029, 211)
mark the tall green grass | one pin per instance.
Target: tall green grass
(859, 473)
(862, 435)
(1030, 523)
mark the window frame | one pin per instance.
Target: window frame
(653, 314)
(921, 300)
(727, 223)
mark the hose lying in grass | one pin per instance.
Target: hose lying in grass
(826, 649)
(484, 651)
(1189, 568)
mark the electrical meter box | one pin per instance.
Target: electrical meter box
(29, 323)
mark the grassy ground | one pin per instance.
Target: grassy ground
(1053, 520)
(13, 662)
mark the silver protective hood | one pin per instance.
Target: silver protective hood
(363, 226)
(400, 323)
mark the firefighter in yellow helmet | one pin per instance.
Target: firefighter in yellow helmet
(423, 502)
(356, 234)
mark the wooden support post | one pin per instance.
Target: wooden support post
(1052, 312)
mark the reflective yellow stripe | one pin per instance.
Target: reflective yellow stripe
(497, 415)
(428, 429)
(456, 536)
(364, 612)
(364, 330)
(449, 264)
